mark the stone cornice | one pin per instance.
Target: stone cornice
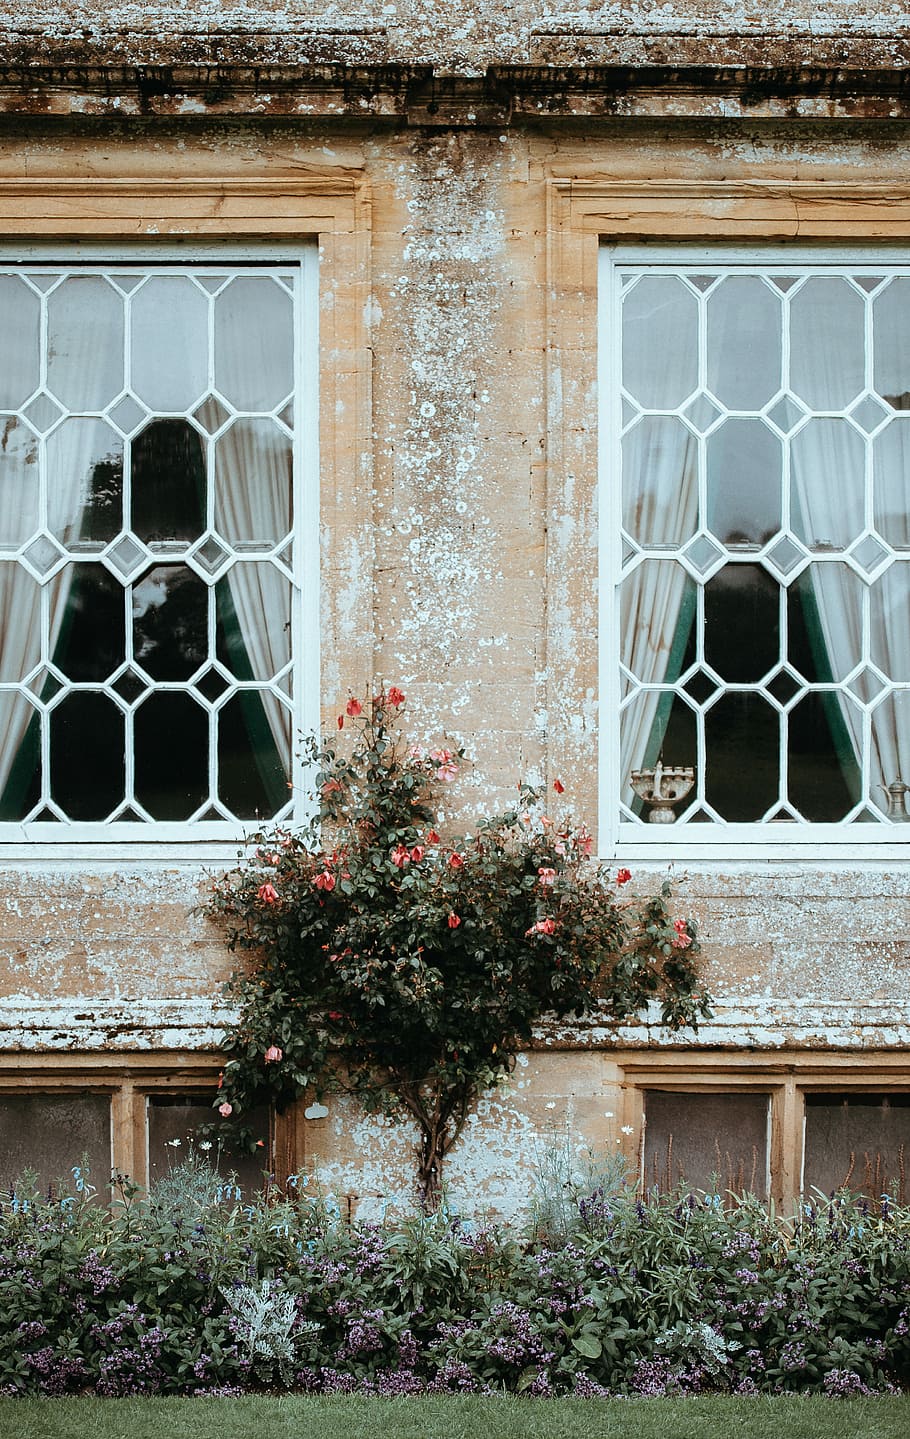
(417, 95)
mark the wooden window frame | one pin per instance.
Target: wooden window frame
(584, 212)
(179, 215)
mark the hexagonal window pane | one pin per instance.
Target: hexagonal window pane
(171, 744)
(169, 485)
(85, 343)
(92, 635)
(20, 756)
(890, 614)
(85, 483)
(20, 328)
(742, 766)
(87, 755)
(744, 483)
(20, 594)
(825, 622)
(170, 622)
(170, 343)
(253, 754)
(742, 626)
(253, 609)
(890, 468)
(657, 726)
(657, 609)
(823, 733)
(890, 347)
(890, 747)
(827, 343)
(744, 342)
(254, 343)
(660, 492)
(827, 484)
(660, 342)
(253, 467)
(18, 481)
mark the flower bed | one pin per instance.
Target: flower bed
(191, 1291)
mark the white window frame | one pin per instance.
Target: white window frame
(210, 840)
(642, 841)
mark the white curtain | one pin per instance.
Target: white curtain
(666, 477)
(827, 499)
(252, 509)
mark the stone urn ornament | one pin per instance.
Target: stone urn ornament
(661, 789)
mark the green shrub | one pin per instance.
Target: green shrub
(641, 1295)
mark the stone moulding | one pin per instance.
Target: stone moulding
(48, 79)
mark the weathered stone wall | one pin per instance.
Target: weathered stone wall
(459, 39)
(104, 954)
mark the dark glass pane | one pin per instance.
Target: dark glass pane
(176, 1117)
(87, 756)
(705, 1139)
(252, 779)
(170, 622)
(52, 1133)
(171, 749)
(742, 627)
(168, 475)
(742, 743)
(857, 1141)
(92, 639)
(821, 758)
(744, 482)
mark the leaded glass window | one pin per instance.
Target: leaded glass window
(149, 561)
(759, 461)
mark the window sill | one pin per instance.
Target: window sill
(828, 843)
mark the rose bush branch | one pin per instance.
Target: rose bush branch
(409, 969)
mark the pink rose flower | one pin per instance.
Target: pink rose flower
(325, 880)
(401, 855)
(546, 875)
(454, 921)
(225, 1109)
(417, 853)
(353, 708)
(395, 696)
(543, 926)
(456, 861)
(273, 1054)
(267, 894)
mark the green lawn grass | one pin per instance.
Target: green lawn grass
(457, 1417)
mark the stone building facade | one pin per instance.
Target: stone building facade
(579, 332)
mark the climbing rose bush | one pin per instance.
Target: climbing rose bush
(407, 965)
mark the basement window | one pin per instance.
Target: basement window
(52, 1135)
(152, 422)
(714, 1142)
(859, 1142)
(756, 454)
(172, 1123)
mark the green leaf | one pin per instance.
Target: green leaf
(588, 1345)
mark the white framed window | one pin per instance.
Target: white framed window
(755, 545)
(158, 540)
